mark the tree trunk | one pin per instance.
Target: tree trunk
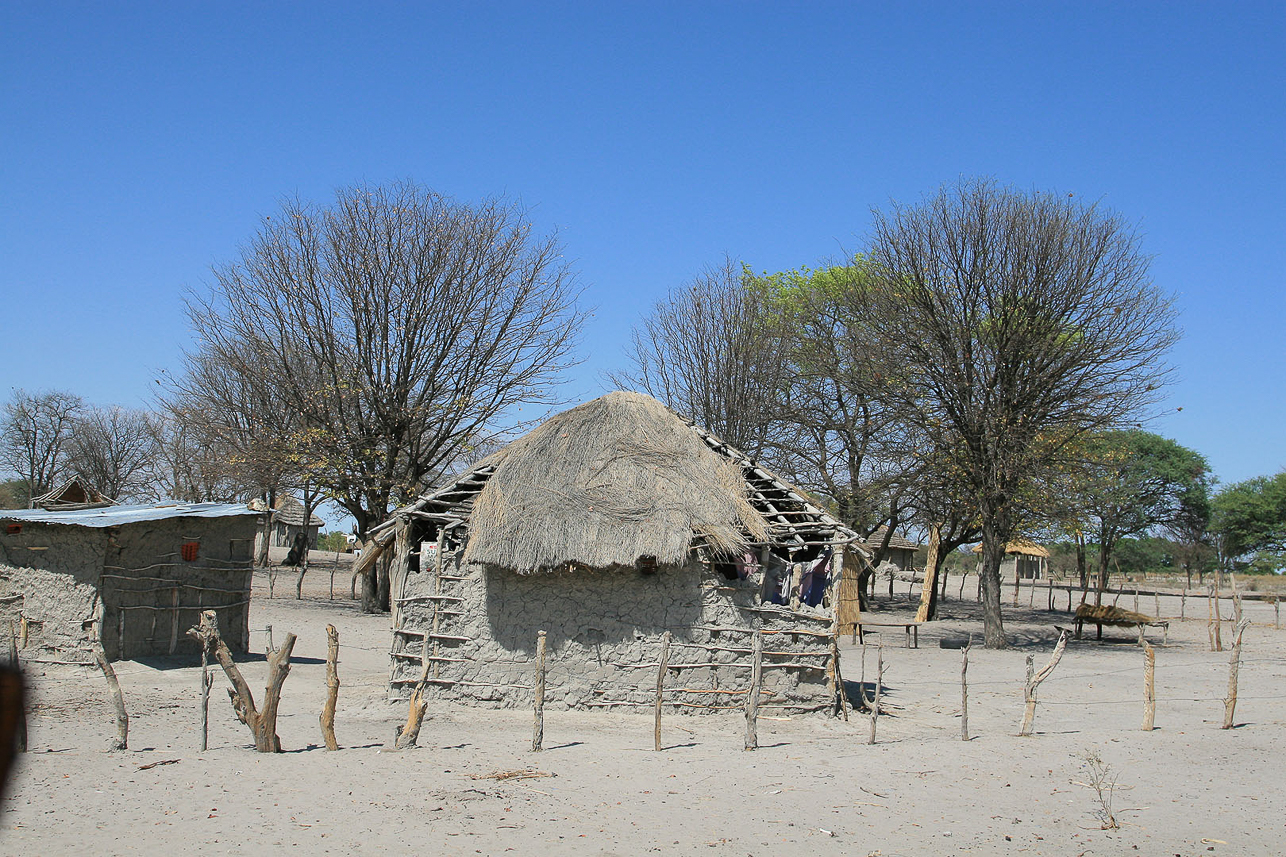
(929, 589)
(370, 590)
(1101, 585)
(1081, 568)
(993, 625)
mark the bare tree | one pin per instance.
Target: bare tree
(190, 463)
(1013, 323)
(33, 435)
(113, 449)
(399, 325)
(713, 351)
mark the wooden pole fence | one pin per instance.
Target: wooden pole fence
(1149, 687)
(1234, 666)
(327, 716)
(752, 695)
(538, 702)
(660, 688)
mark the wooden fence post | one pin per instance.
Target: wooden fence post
(118, 699)
(964, 691)
(207, 680)
(1033, 682)
(1183, 603)
(879, 683)
(1234, 665)
(660, 688)
(538, 730)
(409, 733)
(752, 695)
(840, 694)
(1149, 687)
(327, 716)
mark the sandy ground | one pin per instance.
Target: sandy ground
(814, 787)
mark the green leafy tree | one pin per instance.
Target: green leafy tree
(1134, 482)
(1249, 521)
(1013, 323)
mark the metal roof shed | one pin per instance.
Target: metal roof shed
(134, 577)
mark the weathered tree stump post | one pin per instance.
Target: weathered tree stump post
(207, 680)
(538, 730)
(121, 741)
(327, 717)
(964, 691)
(660, 688)
(1183, 604)
(879, 683)
(1033, 682)
(752, 694)
(409, 733)
(838, 693)
(118, 699)
(1277, 613)
(862, 681)
(1149, 687)
(263, 724)
(1234, 666)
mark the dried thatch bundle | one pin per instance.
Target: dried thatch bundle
(1110, 615)
(605, 483)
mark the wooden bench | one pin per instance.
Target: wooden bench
(911, 629)
(1118, 618)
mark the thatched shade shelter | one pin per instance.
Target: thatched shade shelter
(1023, 559)
(607, 526)
(900, 551)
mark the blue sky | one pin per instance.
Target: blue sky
(141, 143)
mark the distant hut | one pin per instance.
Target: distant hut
(901, 552)
(135, 577)
(607, 526)
(288, 522)
(1023, 560)
(73, 494)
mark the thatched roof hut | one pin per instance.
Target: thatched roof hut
(605, 483)
(607, 525)
(72, 495)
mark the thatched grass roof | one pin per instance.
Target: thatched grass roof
(1108, 614)
(1020, 546)
(600, 485)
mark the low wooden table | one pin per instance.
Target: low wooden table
(911, 629)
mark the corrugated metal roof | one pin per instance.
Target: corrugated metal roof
(114, 516)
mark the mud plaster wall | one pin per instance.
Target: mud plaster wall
(152, 596)
(603, 638)
(131, 578)
(49, 575)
